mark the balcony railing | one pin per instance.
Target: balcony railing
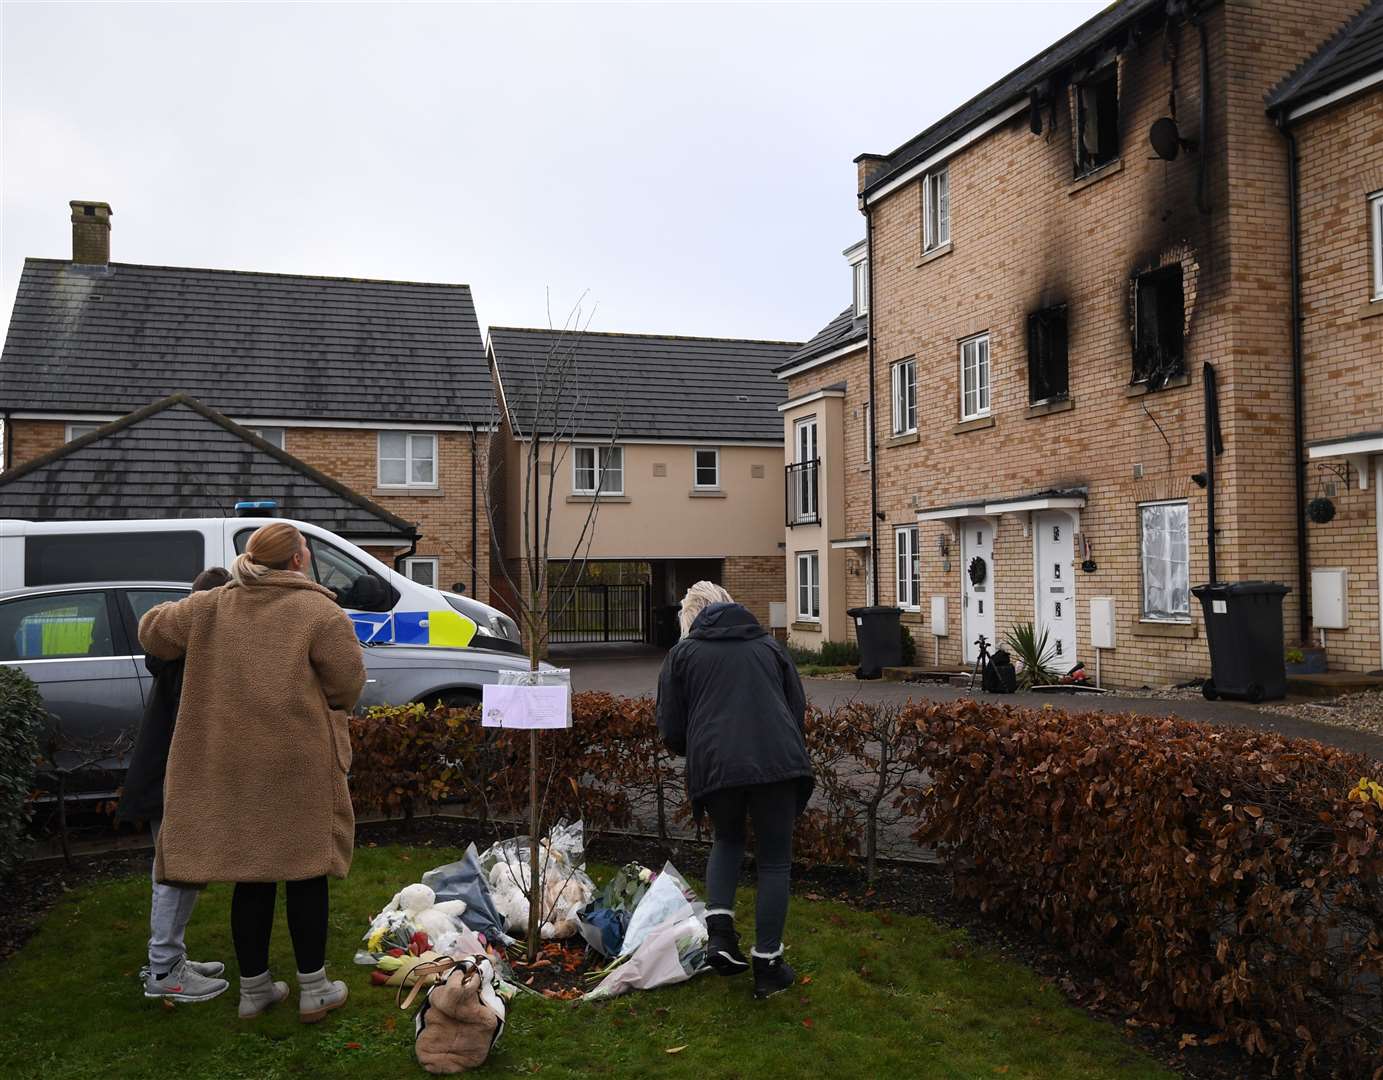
(803, 506)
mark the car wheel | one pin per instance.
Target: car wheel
(456, 699)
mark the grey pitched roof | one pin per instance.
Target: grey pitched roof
(844, 329)
(644, 385)
(1355, 51)
(1106, 27)
(110, 339)
(178, 458)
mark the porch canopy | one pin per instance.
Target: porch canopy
(1356, 449)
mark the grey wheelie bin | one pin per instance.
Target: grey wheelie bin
(1243, 627)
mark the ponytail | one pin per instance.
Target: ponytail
(270, 548)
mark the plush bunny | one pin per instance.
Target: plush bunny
(419, 904)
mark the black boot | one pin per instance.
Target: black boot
(723, 948)
(772, 975)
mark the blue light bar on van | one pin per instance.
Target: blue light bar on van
(256, 508)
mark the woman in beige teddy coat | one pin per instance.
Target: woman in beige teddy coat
(256, 791)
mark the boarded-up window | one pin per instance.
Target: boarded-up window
(1047, 367)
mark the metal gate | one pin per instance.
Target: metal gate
(591, 613)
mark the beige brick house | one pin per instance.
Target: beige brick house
(666, 469)
(375, 384)
(1079, 341)
(1333, 109)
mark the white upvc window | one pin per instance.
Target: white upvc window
(909, 565)
(706, 468)
(407, 459)
(76, 429)
(1376, 228)
(974, 377)
(809, 586)
(1165, 546)
(936, 209)
(597, 469)
(272, 435)
(422, 570)
(861, 270)
(905, 396)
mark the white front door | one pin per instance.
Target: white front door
(1054, 545)
(977, 582)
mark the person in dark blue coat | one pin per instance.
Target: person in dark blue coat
(730, 701)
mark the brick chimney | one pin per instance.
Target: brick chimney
(90, 232)
(866, 166)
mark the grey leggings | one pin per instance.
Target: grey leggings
(773, 809)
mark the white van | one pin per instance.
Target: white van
(385, 606)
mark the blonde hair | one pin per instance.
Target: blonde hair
(270, 548)
(699, 597)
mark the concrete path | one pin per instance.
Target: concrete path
(635, 675)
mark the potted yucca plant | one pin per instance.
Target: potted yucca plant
(1034, 653)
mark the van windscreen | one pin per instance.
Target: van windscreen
(124, 556)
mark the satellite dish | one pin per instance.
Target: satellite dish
(1166, 140)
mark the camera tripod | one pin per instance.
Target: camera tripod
(981, 659)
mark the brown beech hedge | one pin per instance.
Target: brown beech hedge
(1224, 879)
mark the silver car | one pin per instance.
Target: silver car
(80, 644)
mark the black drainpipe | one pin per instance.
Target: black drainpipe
(8, 431)
(474, 527)
(1298, 404)
(1214, 446)
(873, 413)
(412, 550)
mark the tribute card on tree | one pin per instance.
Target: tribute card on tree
(528, 699)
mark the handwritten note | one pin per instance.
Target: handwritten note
(526, 707)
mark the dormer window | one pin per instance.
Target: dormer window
(1097, 120)
(861, 271)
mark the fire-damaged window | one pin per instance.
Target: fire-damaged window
(1047, 369)
(1159, 313)
(1097, 119)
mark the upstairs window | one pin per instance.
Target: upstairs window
(1097, 120)
(861, 272)
(974, 377)
(706, 469)
(407, 459)
(936, 209)
(1376, 226)
(1159, 312)
(905, 397)
(76, 430)
(598, 468)
(1047, 367)
(272, 435)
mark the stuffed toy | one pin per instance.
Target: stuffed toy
(419, 905)
(565, 892)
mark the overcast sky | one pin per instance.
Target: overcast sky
(687, 166)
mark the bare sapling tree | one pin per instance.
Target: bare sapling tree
(546, 411)
(64, 756)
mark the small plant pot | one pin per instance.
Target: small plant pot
(1312, 661)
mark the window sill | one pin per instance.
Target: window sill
(1139, 389)
(1372, 309)
(1094, 176)
(814, 625)
(411, 492)
(1155, 629)
(980, 423)
(706, 493)
(603, 498)
(1046, 408)
(934, 254)
(906, 439)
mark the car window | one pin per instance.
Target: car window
(355, 585)
(55, 627)
(141, 601)
(63, 558)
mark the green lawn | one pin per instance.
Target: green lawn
(888, 996)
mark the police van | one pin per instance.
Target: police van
(386, 606)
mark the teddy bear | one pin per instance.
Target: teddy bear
(565, 892)
(419, 904)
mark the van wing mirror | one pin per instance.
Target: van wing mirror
(368, 593)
